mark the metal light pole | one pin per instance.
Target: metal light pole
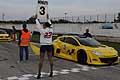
(90, 19)
(84, 19)
(3, 16)
(105, 17)
(98, 18)
(65, 15)
(114, 17)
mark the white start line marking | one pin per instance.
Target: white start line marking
(79, 68)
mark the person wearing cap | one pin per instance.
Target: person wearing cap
(46, 32)
(23, 42)
(87, 34)
(13, 33)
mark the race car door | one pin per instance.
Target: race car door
(71, 45)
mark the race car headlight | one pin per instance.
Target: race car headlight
(96, 53)
(116, 52)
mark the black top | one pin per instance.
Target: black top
(87, 35)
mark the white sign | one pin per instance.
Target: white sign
(42, 10)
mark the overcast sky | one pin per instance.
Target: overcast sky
(23, 9)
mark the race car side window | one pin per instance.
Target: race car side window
(62, 39)
(71, 41)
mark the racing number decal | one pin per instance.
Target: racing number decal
(47, 34)
(42, 10)
(70, 52)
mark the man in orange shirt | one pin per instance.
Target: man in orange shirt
(23, 43)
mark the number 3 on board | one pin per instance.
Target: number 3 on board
(42, 10)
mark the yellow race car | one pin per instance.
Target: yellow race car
(4, 36)
(84, 50)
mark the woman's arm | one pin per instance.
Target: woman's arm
(39, 26)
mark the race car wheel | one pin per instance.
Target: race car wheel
(82, 57)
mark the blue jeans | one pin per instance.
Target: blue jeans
(23, 52)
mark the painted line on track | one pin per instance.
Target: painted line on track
(76, 69)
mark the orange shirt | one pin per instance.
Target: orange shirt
(25, 38)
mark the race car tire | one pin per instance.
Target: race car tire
(82, 57)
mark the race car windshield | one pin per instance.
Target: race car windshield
(89, 42)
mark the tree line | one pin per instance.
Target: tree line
(31, 20)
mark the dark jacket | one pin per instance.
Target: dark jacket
(87, 35)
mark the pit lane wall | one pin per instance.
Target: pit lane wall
(112, 35)
(107, 38)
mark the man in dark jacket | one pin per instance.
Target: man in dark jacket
(87, 34)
